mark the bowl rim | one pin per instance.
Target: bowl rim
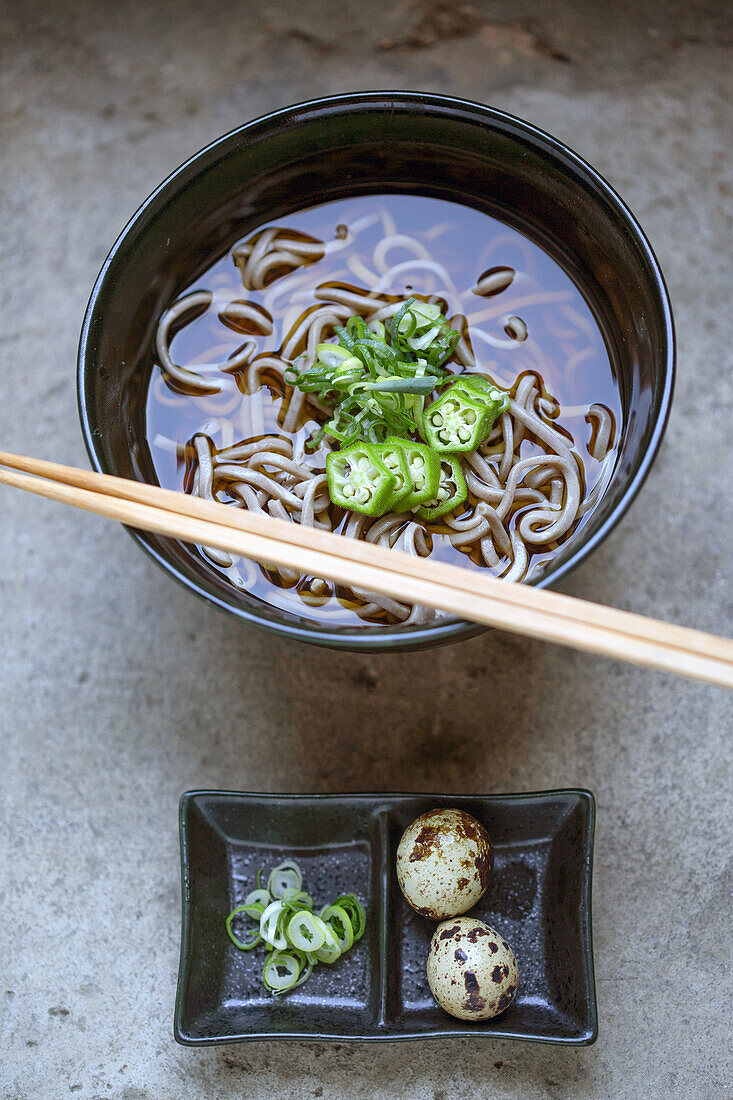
(361, 638)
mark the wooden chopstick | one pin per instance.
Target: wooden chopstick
(514, 595)
(522, 609)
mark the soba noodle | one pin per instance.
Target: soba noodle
(528, 482)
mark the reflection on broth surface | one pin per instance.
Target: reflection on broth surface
(224, 422)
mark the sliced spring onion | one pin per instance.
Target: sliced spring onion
(295, 939)
(306, 931)
(331, 354)
(330, 951)
(305, 973)
(338, 920)
(297, 899)
(287, 876)
(420, 385)
(420, 343)
(258, 897)
(281, 971)
(254, 910)
(355, 911)
(372, 376)
(426, 312)
(253, 937)
(270, 922)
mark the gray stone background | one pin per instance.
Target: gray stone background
(118, 690)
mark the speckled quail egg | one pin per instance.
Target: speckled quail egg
(472, 972)
(444, 861)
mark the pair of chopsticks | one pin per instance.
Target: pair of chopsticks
(518, 608)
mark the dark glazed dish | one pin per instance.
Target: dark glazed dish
(539, 898)
(365, 144)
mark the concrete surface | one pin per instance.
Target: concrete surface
(118, 690)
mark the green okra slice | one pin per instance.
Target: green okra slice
(423, 466)
(359, 480)
(481, 389)
(456, 422)
(451, 492)
(394, 458)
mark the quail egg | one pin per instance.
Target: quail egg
(444, 861)
(472, 971)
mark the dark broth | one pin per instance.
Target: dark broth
(564, 347)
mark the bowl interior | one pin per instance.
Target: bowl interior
(372, 143)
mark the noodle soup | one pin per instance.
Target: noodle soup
(225, 421)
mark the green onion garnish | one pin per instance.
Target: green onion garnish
(295, 937)
(373, 378)
(285, 877)
(253, 937)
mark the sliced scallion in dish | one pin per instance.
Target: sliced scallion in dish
(294, 936)
(355, 912)
(306, 931)
(253, 936)
(340, 924)
(281, 971)
(285, 877)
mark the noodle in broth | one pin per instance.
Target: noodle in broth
(224, 424)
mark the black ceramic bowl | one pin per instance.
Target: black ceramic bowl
(355, 144)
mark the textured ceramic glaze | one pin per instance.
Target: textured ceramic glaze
(539, 898)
